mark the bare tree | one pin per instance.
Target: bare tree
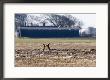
(20, 20)
(64, 21)
(92, 31)
(58, 20)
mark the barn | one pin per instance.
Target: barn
(47, 32)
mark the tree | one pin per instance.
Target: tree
(92, 31)
(20, 20)
(32, 20)
(66, 21)
(58, 20)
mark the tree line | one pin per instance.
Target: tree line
(61, 21)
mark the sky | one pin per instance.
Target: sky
(89, 20)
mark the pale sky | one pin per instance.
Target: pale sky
(89, 20)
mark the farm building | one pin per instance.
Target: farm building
(46, 32)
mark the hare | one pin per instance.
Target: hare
(46, 47)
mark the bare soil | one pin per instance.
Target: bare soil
(61, 54)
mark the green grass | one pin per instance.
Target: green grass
(41, 40)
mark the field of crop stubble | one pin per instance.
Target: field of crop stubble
(64, 52)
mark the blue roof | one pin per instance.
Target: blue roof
(45, 28)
